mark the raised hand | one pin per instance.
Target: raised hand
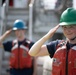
(8, 31)
(5, 35)
(51, 32)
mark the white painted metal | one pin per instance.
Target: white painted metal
(30, 19)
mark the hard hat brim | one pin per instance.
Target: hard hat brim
(19, 28)
(67, 23)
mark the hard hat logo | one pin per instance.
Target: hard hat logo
(68, 17)
(19, 24)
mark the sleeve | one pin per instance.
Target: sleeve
(52, 47)
(7, 46)
(31, 44)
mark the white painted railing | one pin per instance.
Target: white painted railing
(30, 18)
(3, 10)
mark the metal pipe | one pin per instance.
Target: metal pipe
(2, 21)
(0, 35)
(30, 19)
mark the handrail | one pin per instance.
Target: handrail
(30, 18)
(2, 28)
(2, 17)
(4, 10)
(1, 31)
(7, 6)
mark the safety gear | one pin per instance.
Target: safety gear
(64, 61)
(68, 17)
(19, 56)
(19, 24)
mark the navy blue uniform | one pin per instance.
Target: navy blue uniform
(26, 71)
(53, 45)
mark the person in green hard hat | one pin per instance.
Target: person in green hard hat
(63, 52)
(21, 63)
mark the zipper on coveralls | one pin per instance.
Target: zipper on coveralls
(66, 62)
(18, 57)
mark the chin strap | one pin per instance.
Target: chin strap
(73, 38)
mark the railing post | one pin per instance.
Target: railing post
(30, 19)
(0, 35)
(3, 9)
(7, 5)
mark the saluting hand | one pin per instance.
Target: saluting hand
(8, 31)
(5, 35)
(51, 32)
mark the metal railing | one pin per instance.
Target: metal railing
(31, 19)
(3, 11)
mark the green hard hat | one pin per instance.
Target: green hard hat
(68, 17)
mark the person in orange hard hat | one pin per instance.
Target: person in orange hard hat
(63, 52)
